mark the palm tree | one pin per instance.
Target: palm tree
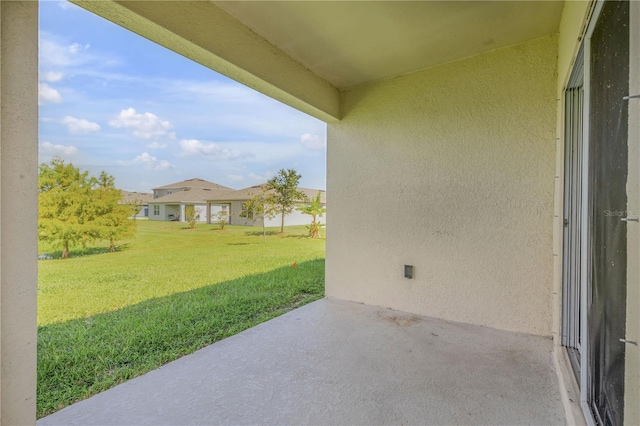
(314, 210)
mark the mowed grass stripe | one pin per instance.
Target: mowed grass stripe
(163, 259)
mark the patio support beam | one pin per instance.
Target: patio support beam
(18, 210)
(203, 32)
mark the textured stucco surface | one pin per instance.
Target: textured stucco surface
(341, 363)
(18, 210)
(450, 169)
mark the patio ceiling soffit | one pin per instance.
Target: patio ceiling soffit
(203, 32)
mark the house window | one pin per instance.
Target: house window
(156, 210)
(169, 192)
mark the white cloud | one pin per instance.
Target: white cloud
(156, 145)
(311, 141)
(145, 125)
(47, 94)
(150, 162)
(76, 48)
(55, 53)
(79, 125)
(59, 56)
(235, 177)
(60, 150)
(193, 146)
(52, 76)
(261, 178)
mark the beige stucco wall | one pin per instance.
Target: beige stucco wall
(235, 207)
(450, 169)
(18, 210)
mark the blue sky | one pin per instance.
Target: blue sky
(111, 100)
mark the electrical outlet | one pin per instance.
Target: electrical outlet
(408, 271)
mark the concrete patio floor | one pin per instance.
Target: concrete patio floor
(334, 363)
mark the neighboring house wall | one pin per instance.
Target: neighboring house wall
(293, 219)
(215, 209)
(450, 169)
(144, 210)
(156, 211)
(163, 211)
(236, 209)
(138, 200)
(157, 193)
(201, 212)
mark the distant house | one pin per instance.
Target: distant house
(171, 201)
(142, 199)
(233, 201)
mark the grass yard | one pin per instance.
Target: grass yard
(106, 318)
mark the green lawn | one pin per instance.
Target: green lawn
(106, 318)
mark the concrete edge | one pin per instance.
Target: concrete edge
(569, 389)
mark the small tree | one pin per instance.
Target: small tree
(284, 192)
(64, 200)
(314, 210)
(136, 207)
(111, 218)
(222, 217)
(260, 207)
(75, 209)
(191, 216)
